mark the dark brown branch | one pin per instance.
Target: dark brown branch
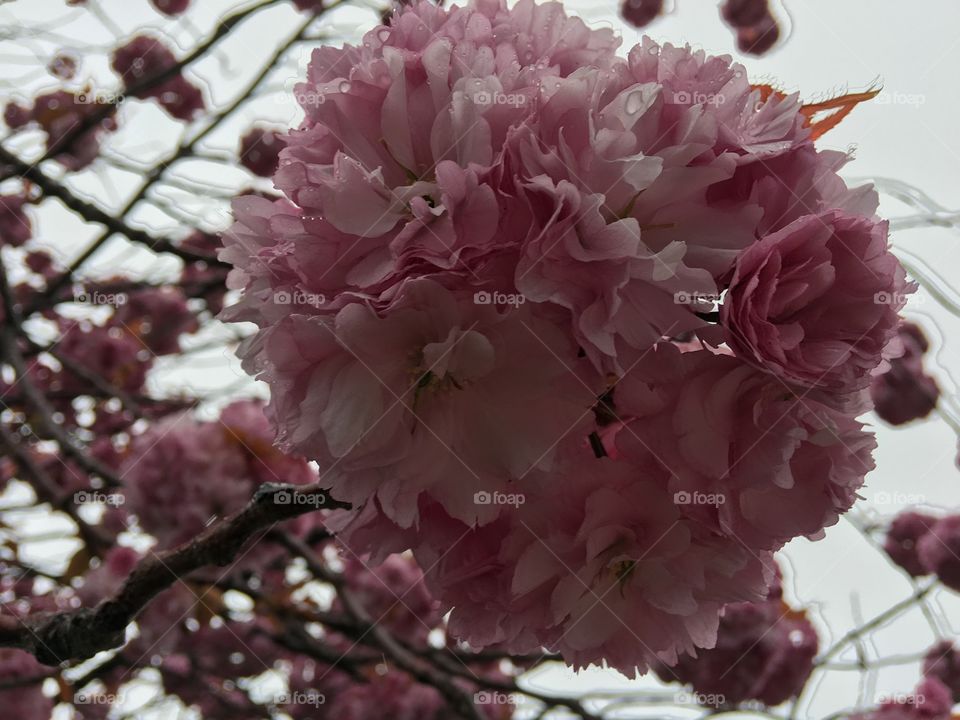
(188, 150)
(44, 412)
(77, 635)
(224, 27)
(92, 213)
(47, 490)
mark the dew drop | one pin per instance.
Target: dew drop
(344, 86)
(634, 102)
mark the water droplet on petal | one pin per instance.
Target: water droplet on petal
(634, 102)
(344, 86)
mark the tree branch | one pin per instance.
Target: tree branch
(77, 635)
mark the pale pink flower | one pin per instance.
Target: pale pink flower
(27, 702)
(938, 548)
(439, 395)
(497, 256)
(764, 652)
(930, 701)
(164, 466)
(816, 303)
(903, 536)
(394, 595)
(597, 563)
(756, 461)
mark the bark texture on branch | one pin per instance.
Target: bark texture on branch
(76, 635)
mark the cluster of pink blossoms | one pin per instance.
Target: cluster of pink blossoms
(182, 472)
(764, 652)
(588, 334)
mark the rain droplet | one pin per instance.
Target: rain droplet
(634, 102)
(344, 86)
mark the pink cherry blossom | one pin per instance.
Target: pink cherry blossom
(942, 662)
(903, 535)
(764, 652)
(767, 464)
(438, 395)
(27, 702)
(938, 550)
(930, 701)
(816, 303)
(905, 391)
(233, 454)
(485, 305)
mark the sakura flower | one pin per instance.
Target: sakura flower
(598, 564)
(938, 551)
(393, 593)
(157, 317)
(783, 308)
(767, 464)
(492, 273)
(144, 59)
(233, 455)
(26, 701)
(171, 7)
(438, 395)
(930, 701)
(759, 38)
(396, 695)
(903, 535)
(15, 226)
(65, 117)
(640, 13)
(905, 392)
(744, 13)
(942, 662)
(260, 151)
(110, 352)
(764, 652)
